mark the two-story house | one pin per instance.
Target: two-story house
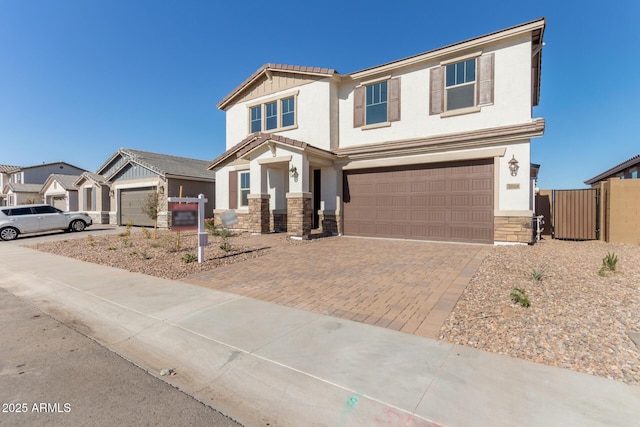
(26, 182)
(435, 146)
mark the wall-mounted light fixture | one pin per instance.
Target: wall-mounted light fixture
(161, 189)
(513, 166)
(294, 173)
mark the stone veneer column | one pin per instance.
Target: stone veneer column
(258, 213)
(515, 229)
(299, 215)
(328, 222)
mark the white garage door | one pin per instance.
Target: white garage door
(131, 202)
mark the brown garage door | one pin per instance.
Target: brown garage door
(131, 202)
(448, 202)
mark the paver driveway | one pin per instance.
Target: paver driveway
(407, 286)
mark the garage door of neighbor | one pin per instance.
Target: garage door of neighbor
(59, 202)
(131, 202)
(446, 201)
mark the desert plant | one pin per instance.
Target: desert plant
(210, 225)
(225, 245)
(519, 296)
(188, 258)
(602, 272)
(610, 261)
(146, 233)
(111, 248)
(538, 273)
(150, 207)
(90, 240)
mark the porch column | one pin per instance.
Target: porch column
(258, 219)
(299, 215)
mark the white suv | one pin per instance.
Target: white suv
(22, 219)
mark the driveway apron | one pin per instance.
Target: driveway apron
(408, 286)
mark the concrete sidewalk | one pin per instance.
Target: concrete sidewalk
(267, 365)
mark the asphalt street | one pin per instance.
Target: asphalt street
(51, 374)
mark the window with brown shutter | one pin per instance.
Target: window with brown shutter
(233, 190)
(377, 102)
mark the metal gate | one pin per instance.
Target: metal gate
(576, 214)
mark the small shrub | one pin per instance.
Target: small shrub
(188, 258)
(146, 233)
(225, 245)
(90, 240)
(210, 225)
(156, 244)
(111, 248)
(223, 232)
(610, 261)
(538, 273)
(144, 255)
(602, 273)
(519, 296)
(126, 243)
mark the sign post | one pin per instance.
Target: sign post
(183, 218)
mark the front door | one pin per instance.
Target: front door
(316, 198)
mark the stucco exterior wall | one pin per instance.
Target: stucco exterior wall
(313, 111)
(512, 101)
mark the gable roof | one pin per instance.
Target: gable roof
(98, 179)
(8, 168)
(48, 164)
(255, 140)
(536, 27)
(634, 161)
(67, 182)
(22, 188)
(266, 69)
(163, 164)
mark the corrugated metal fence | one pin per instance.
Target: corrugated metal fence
(576, 214)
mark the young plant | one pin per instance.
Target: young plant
(538, 273)
(610, 261)
(225, 245)
(519, 296)
(189, 258)
(146, 233)
(90, 240)
(210, 225)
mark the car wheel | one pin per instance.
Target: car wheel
(8, 233)
(77, 225)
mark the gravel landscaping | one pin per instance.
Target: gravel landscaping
(580, 317)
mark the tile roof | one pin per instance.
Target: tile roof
(165, 164)
(24, 188)
(66, 181)
(255, 140)
(296, 69)
(8, 168)
(635, 160)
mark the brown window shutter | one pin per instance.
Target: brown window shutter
(485, 79)
(233, 189)
(358, 107)
(436, 92)
(394, 99)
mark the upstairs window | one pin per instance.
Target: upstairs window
(376, 103)
(461, 85)
(288, 112)
(272, 115)
(278, 114)
(256, 119)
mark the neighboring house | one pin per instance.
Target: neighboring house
(60, 191)
(133, 175)
(435, 146)
(36, 174)
(5, 175)
(625, 170)
(21, 194)
(94, 196)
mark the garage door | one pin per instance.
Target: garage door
(449, 202)
(131, 202)
(59, 202)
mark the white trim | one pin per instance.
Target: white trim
(461, 58)
(461, 111)
(523, 214)
(428, 158)
(374, 81)
(279, 159)
(376, 125)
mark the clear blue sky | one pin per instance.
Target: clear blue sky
(81, 78)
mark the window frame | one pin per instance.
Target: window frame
(279, 113)
(242, 189)
(471, 83)
(379, 103)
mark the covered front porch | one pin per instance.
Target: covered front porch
(282, 185)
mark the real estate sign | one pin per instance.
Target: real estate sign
(184, 216)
